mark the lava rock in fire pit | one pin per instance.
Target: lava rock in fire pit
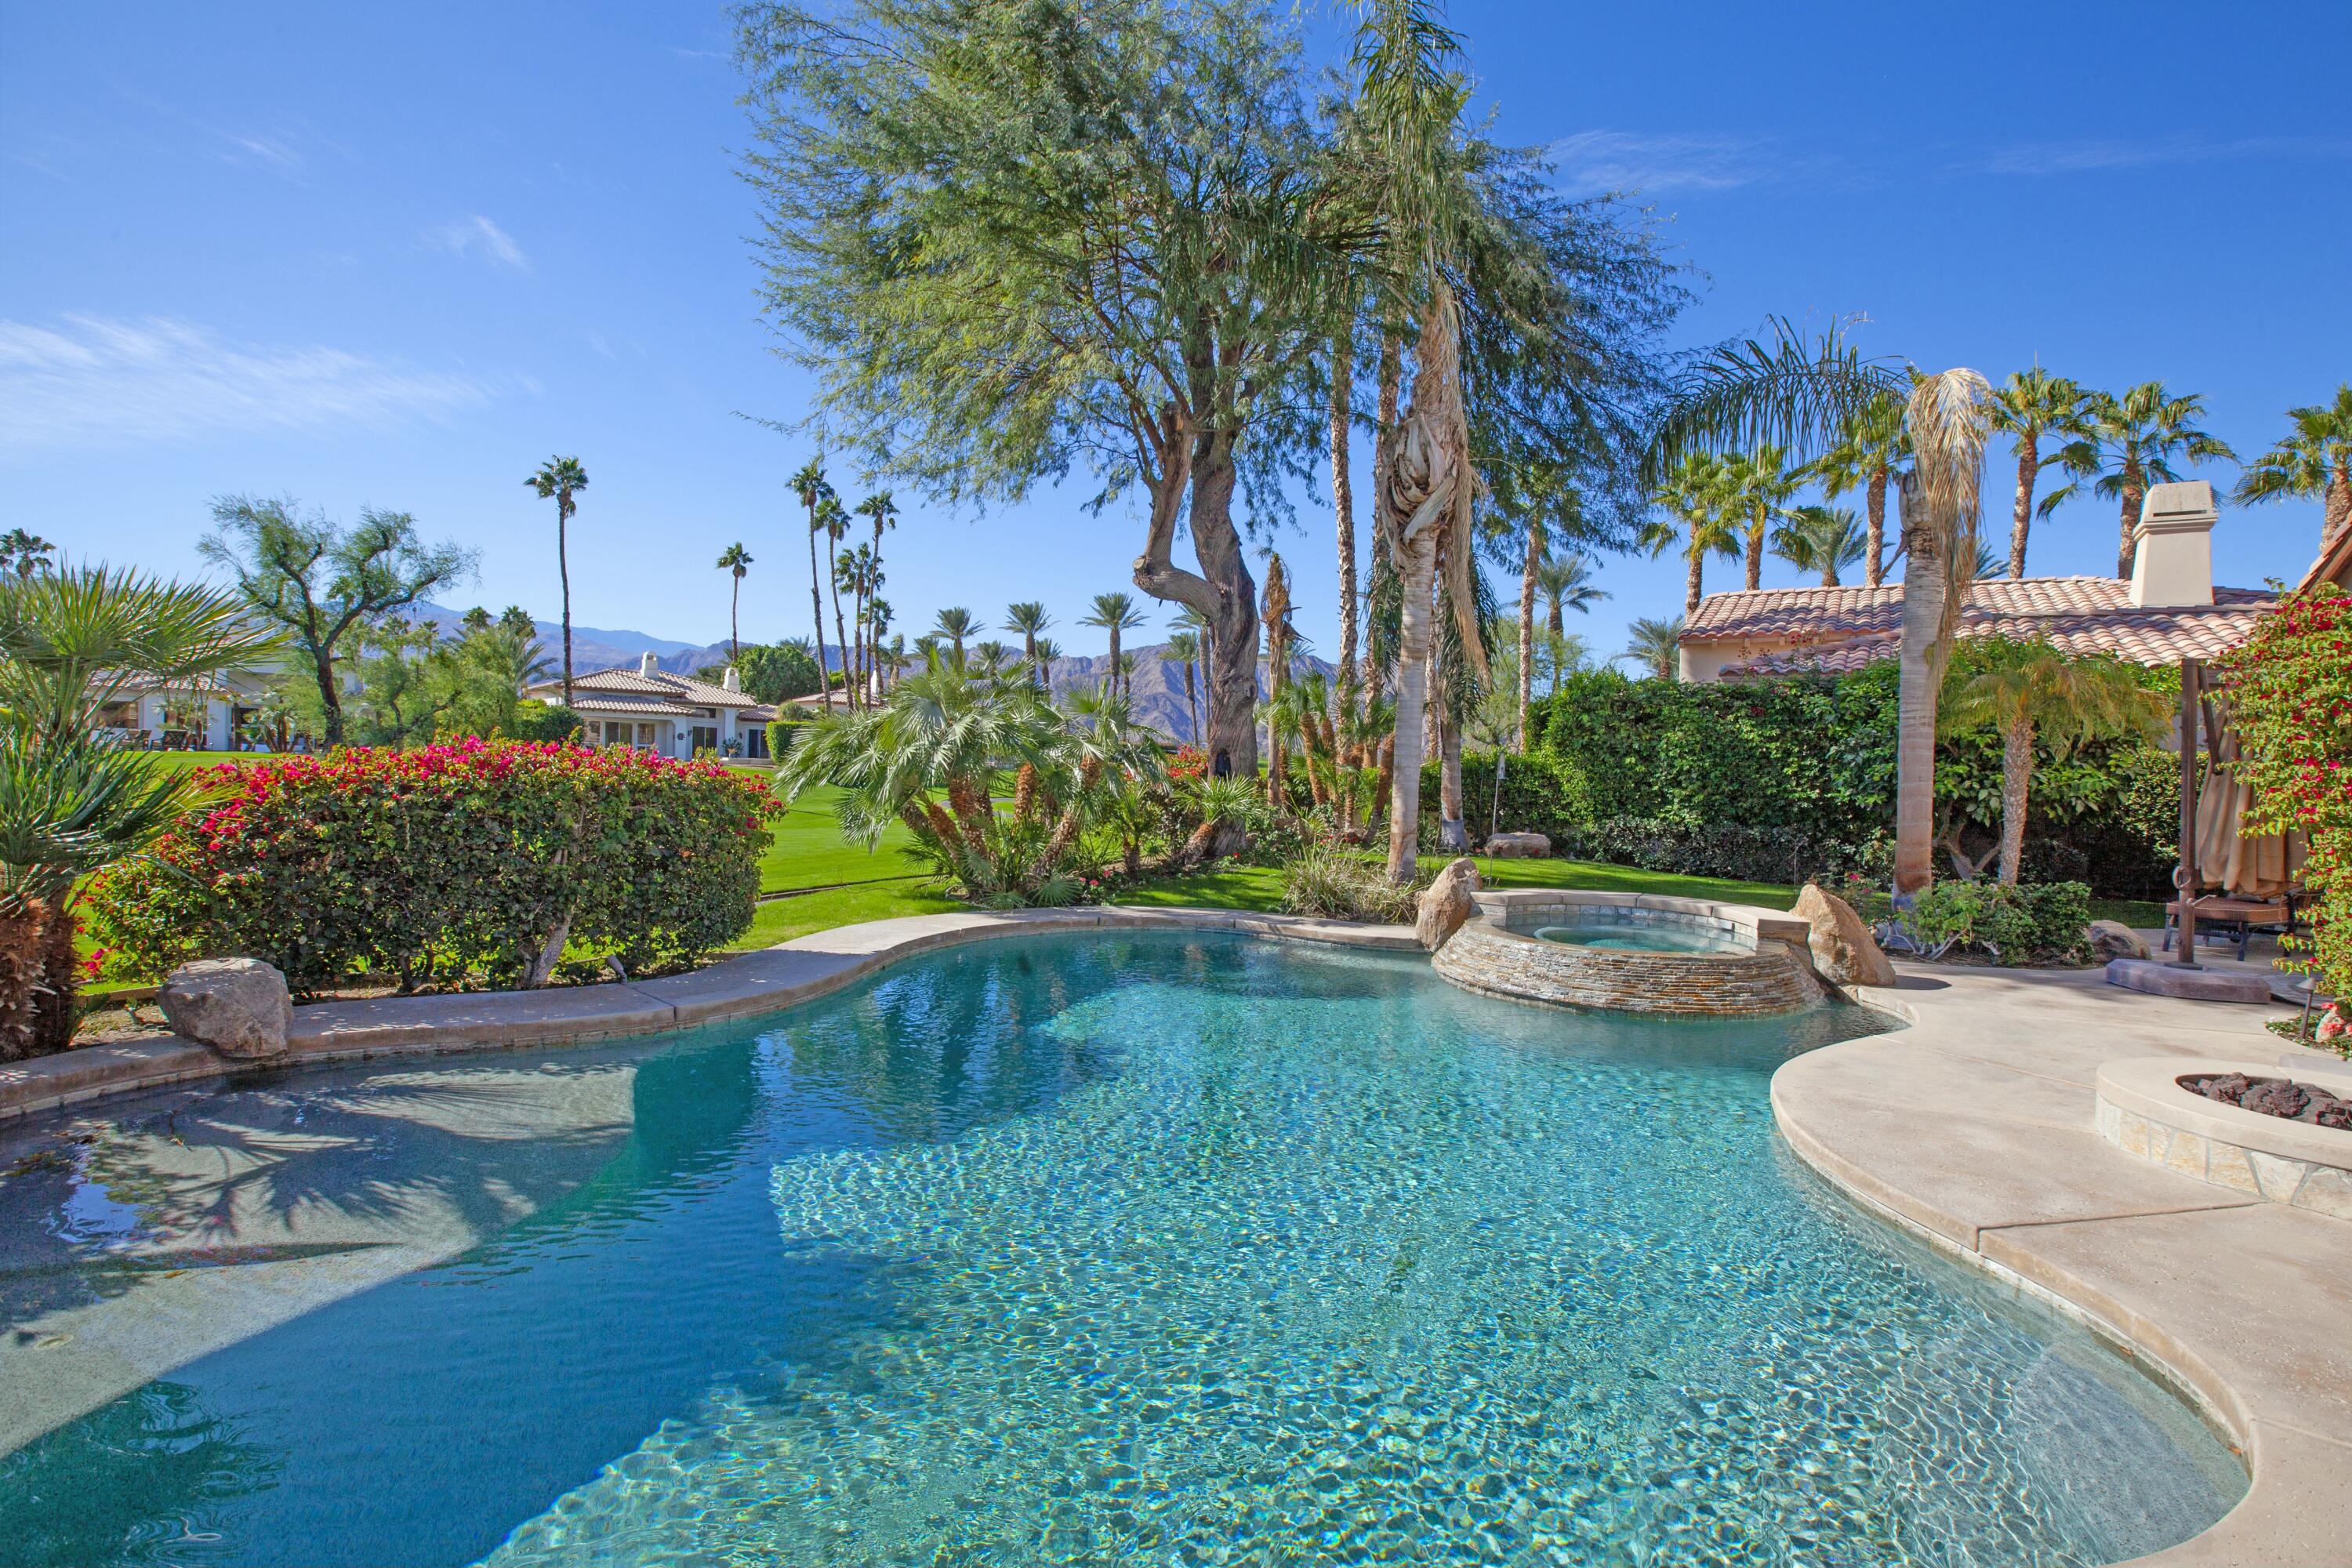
(2229, 1089)
(2336, 1114)
(2274, 1096)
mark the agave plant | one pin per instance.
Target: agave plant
(71, 642)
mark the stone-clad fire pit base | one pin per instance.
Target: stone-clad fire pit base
(2142, 1109)
(1496, 953)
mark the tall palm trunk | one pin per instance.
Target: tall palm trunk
(1694, 584)
(1875, 549)
(1414, 559)
(1915, 732)
(1756, 554)
(563, 578)
(1343, 499)
(840, 630)
(1191, 702)
(735, 622)
(2021, 517)
(2336, 510)
(1453, 833)
(1527, 626)
(2135, 487)
(2016, 779)
(817, 614)
(1391, 373)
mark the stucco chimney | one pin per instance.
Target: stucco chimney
(731, 681)
(2172, 547)
(648, 665)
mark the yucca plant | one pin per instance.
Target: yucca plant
(71, 642)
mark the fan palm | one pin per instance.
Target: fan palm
(72, 641)
(1565, 583)
(559, 479)
(2315, 459)
(2131, 442)
(1695, 497)
(2030, 404)
(1118, 613)
(736, 561)
(832, 518)
(955, 622)
(1820, 539)
(1029, 618)
(1870, 449)
(1184, 648)
(2031, 690)
(1655, 646)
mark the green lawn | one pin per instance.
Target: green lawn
(810, 852)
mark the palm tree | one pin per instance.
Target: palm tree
(1565, 583)
(1184, 648)
(833, 518)
(1756, 487)
(1820, 539)
(1274, 613)
(1118, 612)
(991, 657)
(1189, 619)
(2031, 690)
(882, 511)
(1655, 646)
(559, 479)
(72, 641)
(738, 560)
(809, 484)
(2034, 404)
(955, 622)
(1695, 497)
(2315, 459)
(2130, 444)
(1870, 449)
(1991, 563)
(1029, 618)
(1343, 499)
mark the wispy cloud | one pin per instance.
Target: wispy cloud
(92, 382)
(276, 151)
(479, 236)
(2094, 155)
(1633, 160)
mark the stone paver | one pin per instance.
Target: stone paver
(1977, 1126)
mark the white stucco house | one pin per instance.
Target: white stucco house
(649, 707)
(206, 714)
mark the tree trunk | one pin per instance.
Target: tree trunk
(1191, 702)
(1384, 418)
(1914, 742)
(2133, 494)
(1343, 501)
(840, 630)
(1415, 560)
(54, 1003)
(20, 980)
(2029, 451)
(563, 576)
(2336, 513)
(1113, 684)
(2016, 778)
(817, 618)
(1874, 551)
(1693, 585)
(330, 699)
(1527, 628)
(1756, 555)
(1453, 832)
(735, 623)
(1222, 592)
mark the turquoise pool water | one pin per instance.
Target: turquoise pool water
(1161, 1249)
(1621, 937)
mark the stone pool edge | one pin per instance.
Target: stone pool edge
(1974, 1129)
(744, 985)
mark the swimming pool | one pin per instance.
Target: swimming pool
(1151, 1249)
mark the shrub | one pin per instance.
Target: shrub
(783, 732)
(1331, 880)
(1732, 850)
(2012, 925)
(537, 720)
(449, 866)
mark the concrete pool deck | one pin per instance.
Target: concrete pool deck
(1974, 1128)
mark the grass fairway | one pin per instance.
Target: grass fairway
(809, 850)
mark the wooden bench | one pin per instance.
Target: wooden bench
(2243, 917)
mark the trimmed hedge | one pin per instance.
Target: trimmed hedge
(2016, 925)
(447, 866)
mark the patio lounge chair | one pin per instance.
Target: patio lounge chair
(2241, 917)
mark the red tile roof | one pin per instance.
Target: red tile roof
(627, 690)
(1843, 629)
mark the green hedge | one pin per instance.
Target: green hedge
(447, 865)
(1725, 778)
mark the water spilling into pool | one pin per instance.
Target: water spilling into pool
(1089, 1250)
(1628, 938)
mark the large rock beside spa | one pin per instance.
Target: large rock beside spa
(2113, 939)
(1518, 845)
(239, 1007)
(1844, 950)
(1447, 903)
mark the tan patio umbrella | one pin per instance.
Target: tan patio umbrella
(2263, 866)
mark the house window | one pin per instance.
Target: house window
(706, 737)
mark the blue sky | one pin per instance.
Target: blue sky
(397, 255)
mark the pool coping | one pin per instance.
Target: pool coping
(1975, 1130)
(2234, 1302)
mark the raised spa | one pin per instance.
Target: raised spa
(1633, 954)
(1101, 1249)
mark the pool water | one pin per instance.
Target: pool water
(1156, 1250)
(1621, 937)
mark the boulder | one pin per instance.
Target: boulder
(1844, 950)
(2113, 939)
(1518, 845)
(1447, 903)
(239, 1007)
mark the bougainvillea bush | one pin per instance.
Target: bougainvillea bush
(2289, 690)
(476, 863)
